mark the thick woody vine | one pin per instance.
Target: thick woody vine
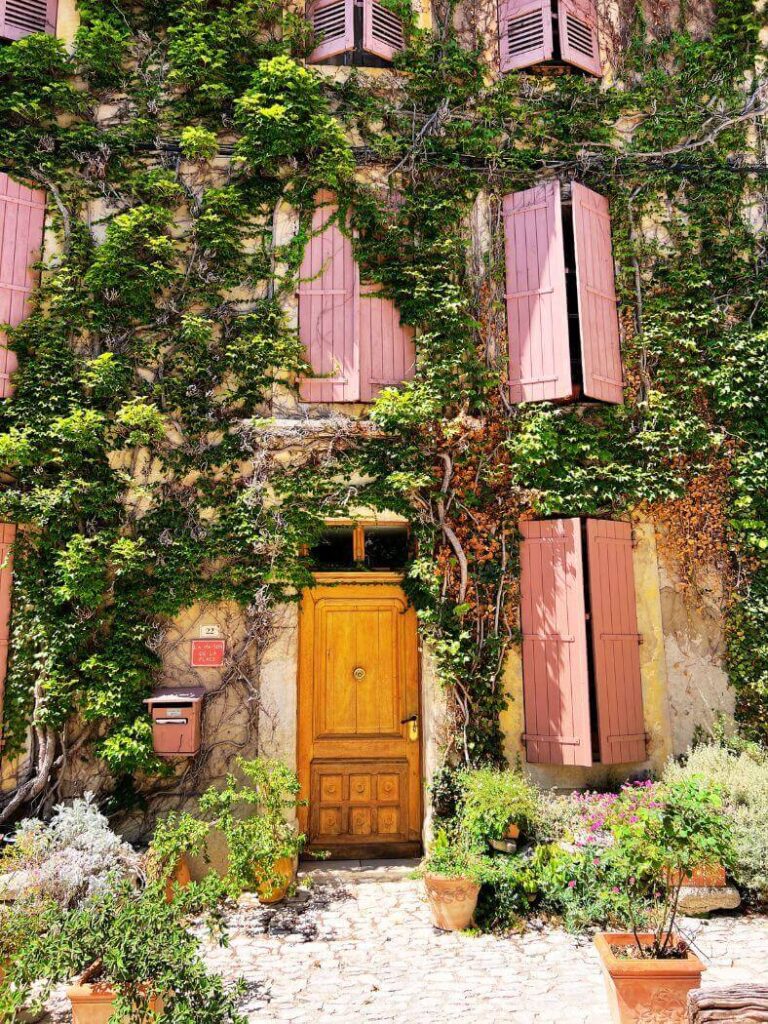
(137, 451)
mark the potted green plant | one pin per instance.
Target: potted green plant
(496, 805)
(177, 837)
(263, 844)
(453, 872)
(650, 970)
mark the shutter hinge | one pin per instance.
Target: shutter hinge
(634, 537)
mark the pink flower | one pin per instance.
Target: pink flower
(616, 890)
(572, 884)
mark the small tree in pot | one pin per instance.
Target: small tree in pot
(453, 872)
(496, 805)
(665, 838)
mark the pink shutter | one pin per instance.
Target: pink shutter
(7, 537)
(537, 314)
(525, 33)
(382, 30)
(328, 312)
(19, 18)
(579, 43)
(387, 351)
(334, 25)
(615, 642)
(22, 217)
(555, 668)
(596, 285)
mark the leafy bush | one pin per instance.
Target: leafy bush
(176, 835)
(72, 857)
(452, 857)
(492, 799)
(742, 776)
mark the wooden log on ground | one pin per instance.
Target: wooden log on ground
(741, 1003)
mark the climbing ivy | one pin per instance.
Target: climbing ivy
(138, 448)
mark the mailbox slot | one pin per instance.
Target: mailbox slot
(176, 720)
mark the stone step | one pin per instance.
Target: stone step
(346, 872)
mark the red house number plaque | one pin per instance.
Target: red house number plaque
(207, 653)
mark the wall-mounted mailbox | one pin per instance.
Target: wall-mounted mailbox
(176, 714)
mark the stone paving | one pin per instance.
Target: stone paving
(360, 948)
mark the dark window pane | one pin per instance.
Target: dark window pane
(386, 547)
(335, 549)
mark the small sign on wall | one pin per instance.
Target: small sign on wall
(207, 653)
(210, 631)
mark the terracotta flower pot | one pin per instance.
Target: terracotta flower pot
(646, 991)
(181, 876)
(452, 901)
(273, 892)
(513, 831)
(709, 876)
(94, 1002)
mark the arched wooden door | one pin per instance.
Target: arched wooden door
(359, 715)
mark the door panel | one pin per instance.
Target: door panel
(359, 764)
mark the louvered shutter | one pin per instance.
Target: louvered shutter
(19, 18)
(328, 312)
(537, 313)
(525, 33)
(578, 35)
(382, 30)
(555, 667)
(596, 286)
(387, 352)
(22, 217)
(615, 642)
(7, 537)
(334, 24)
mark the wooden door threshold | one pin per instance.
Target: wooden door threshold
(363, 851)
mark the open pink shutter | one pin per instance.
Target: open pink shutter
(387, 351)
(334, 24)
(555, 668)
(525, 33)
(537, 314)
(328, 312)
(382, 30)
(615, 642)
(7, 537)
(19, 18)
(596, 285)
(579, 43)
(22, 217)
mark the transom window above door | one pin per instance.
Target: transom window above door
(364, 33)
(378, 547)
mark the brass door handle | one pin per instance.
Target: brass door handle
(413, 726)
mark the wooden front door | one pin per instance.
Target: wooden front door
(359, 760)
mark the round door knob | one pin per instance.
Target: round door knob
(359, 674)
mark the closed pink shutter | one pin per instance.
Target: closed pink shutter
(19, 18)
(22, 217)
(7, 537)
(387, 351)
(537, 314)
(328, 312)
(382, 30)
(334, 25)
(615, 642)
(596, 285)
(525, 33)
(579, 43)
(555, 669)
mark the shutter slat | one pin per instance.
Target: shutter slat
(537, 313)
(20, 18)
(579, 41)
(555, 667)
(387, 351)
(22, 219)
(596, 286)
(333, 23)
(615, 642)
(7, 537)
(525, 33)
(328, 311)
(382, 30)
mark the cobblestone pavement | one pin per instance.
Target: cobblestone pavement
(365, 951)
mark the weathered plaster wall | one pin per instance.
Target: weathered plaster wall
(653, 667)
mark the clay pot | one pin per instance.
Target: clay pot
(452, 901)
(181, 876)
(709, 876)
(273, 892)
(94, 1002)
(646, 991)
(513, 831)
